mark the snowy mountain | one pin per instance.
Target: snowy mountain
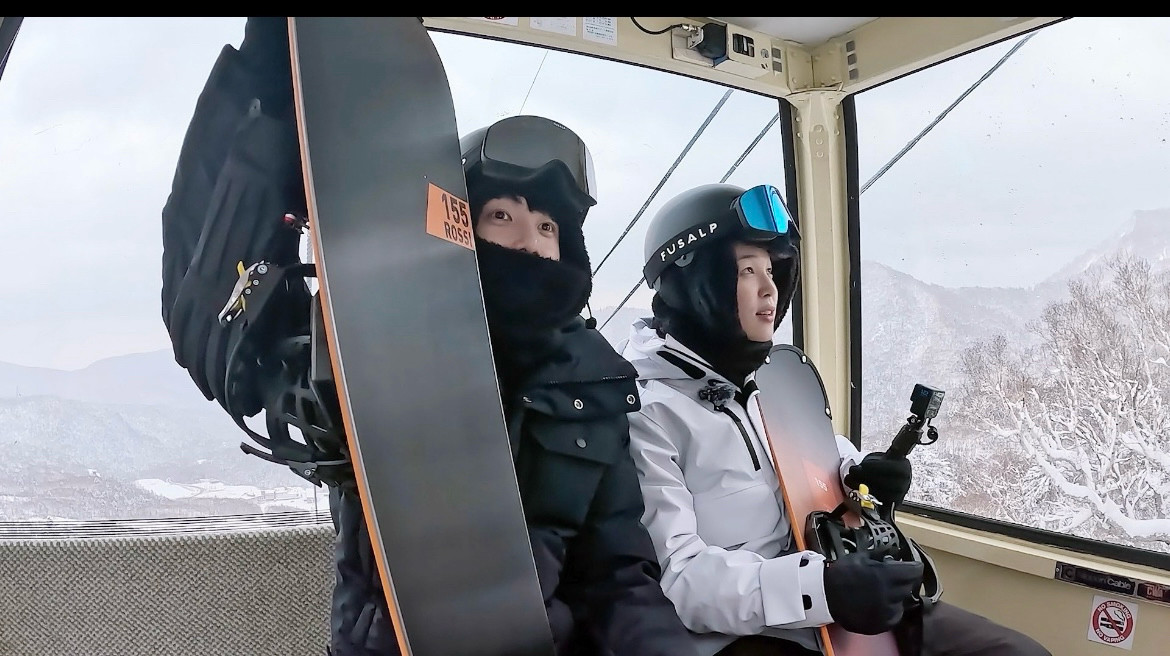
(126, 442)
(916, 332)
(131, 436)
(142, 378)
(76, 442)
(1146, 235)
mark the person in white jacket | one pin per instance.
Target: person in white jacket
(723, 262)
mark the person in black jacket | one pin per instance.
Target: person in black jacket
(566, 394)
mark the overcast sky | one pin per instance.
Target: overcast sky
(1048, 157)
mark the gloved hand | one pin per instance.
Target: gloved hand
(867, 595)
(888, 477)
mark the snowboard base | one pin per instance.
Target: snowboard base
(422, 416)
(798, 424)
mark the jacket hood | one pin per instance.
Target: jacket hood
(665, 358)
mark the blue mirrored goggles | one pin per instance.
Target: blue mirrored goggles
(758, 214)
(761, 209)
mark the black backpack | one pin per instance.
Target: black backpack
(235, 300)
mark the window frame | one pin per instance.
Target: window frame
(1038, 536)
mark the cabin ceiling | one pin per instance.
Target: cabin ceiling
(808, 31)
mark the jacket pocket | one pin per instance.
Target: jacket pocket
(568, 464)
(584, 440)
(730, 520)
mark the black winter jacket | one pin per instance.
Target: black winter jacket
(579, 488)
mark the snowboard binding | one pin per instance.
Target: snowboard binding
(874, 530)
(832, 536)
(285, 365)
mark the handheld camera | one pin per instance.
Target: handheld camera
(925, 401)
(924, 405)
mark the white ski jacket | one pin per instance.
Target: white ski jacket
(714, 509)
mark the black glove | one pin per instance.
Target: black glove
(867, 595)
(888, 477)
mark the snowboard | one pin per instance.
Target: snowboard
(407, 338)
(798, 424)
(9, 27)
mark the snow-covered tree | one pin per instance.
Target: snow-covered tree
(1088, 407)
(935, 483)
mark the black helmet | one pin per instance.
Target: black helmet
(519, 150)
(706, 214)
(713, 215)
(688, 214)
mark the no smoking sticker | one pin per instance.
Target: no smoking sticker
(1112, 621)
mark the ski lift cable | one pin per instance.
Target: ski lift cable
(872, 180)
(747, 151)
(623, 303)
(533, 83)
(913, 142)
(669, 172)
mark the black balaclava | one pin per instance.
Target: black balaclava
(696, 304)
(529, 298)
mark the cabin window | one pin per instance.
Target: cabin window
(98, 420)
(1018, 257)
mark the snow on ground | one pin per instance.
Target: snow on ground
(289, 497)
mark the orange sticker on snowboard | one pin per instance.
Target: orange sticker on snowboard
(449, 217)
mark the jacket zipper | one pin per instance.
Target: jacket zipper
(743, 432)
